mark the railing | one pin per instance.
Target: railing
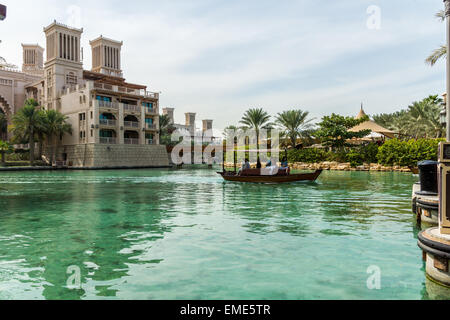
(107, 140)
(150, 126)
(108, 122)
(131, 124)
(150, 142)
(149, 110)
(108, 104)
(130, 107)
(122, 89)
(148, 94)
(131, 141)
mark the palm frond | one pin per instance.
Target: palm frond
(436, 55)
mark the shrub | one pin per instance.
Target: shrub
(355, 158)
(408, 153)
(369, 153)
(310, 155)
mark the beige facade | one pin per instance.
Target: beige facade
(102, 108)
(189, 128)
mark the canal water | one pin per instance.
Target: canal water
(186, 234)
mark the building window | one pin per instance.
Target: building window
(71, 78)
(92, 133)
(92, 115)
(103, 98)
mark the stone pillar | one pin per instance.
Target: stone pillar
(142, 124)
(120, 127)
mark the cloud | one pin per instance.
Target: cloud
(218, 58)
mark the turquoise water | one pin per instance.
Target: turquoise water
(186, 234)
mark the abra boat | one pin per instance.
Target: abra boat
(281, 178)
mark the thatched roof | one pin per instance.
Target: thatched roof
(371, 125)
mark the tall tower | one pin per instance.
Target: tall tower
(170, 113)
(63, 67)
(106, 56)
(33, 59)
(190, 122)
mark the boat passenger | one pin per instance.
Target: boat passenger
(285, 165)
(258, 164)
(245, 166)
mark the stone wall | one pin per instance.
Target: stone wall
(109, 156)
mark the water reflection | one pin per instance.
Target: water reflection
(188, 234)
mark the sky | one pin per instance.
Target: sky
(219, 58)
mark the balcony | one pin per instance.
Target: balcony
(131, 141)
(108, 140)
(108, 105)
(118, 89)
(131, 124)
(149, 126)
(130, 108)
(108, 122)
(149, 94)
(151, 111)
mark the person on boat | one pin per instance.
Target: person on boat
(258, 164)
(245, 166)
(285, 165)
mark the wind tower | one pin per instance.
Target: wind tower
(63, 67)
(33, 59)
(106, 56)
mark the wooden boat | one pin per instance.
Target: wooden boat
(280, 178)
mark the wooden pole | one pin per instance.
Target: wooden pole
(223, 156)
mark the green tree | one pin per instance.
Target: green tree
(256, 119)
(334, 130)
(166, 129)
(294, 124)
(3, 125)
(28, 122)
(5, 147)
(440, 52)
(419, 120)
(55, 126)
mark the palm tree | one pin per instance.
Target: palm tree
(5, 147)
(165, 124)
(230, 129)
(256, 119)
(55, 124)
(294, 124)
(27, 122)
(166, 128)
(440, 52)
(3, 125)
